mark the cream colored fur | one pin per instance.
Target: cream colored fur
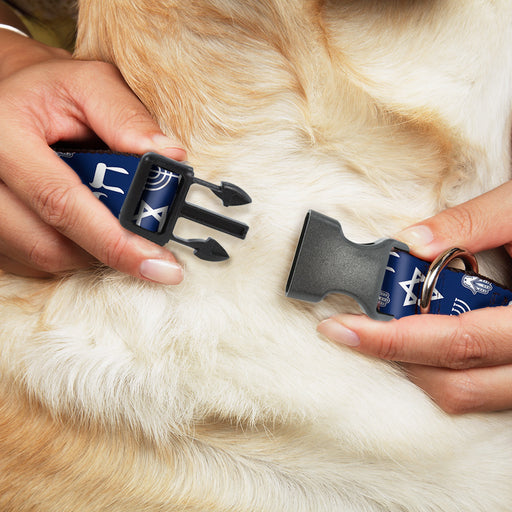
(218, 395)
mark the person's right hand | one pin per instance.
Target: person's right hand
(463, 362)
(50, 221)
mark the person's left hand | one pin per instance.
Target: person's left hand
(463, 362)
(51, 222)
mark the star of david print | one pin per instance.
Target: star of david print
(408, 286)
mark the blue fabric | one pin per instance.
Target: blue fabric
(455, 292)
(109, 176)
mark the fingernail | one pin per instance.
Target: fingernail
(161, 271)
(416, 237)
(170, 147)
(338, 333)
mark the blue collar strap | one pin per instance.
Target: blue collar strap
(385, 279)
(148, 195)
(454, 291)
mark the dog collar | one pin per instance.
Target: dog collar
(148, 195)
(386, 280)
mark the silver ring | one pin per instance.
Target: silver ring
(437, 266)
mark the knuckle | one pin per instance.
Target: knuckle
(460, 220)
(465, 348)
(43, 257)
(460, 394)
(98, 69)
(388, 347)
(127, 120)
(114, 252)
(133, 116)
(52, 202)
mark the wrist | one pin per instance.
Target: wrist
(10, 18)
(11, 28)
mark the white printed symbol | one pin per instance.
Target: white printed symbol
(408, 287)
(159, 178)
(145, 211)
(396, 255)
(476, 285)
(384, 299)
(459, 307)
(99, 178)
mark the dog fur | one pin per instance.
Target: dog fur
(217, 394)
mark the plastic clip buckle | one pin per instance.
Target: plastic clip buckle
(326, 262)
(208, 249)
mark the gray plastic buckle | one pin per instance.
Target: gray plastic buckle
(326, 262)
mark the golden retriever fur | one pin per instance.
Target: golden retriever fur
(217, 394)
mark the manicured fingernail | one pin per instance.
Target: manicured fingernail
(338, 333)
(416, 237)
(169, 146)
(161, 271)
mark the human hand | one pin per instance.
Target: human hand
(463, 362)
(51, 222)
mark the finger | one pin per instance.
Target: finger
(17, 268)
(478, 338)
(117, 116)
(476, 225)
(69, 100)
(56, 194)
(463, 391)
(26, 240)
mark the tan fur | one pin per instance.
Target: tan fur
(218, 395)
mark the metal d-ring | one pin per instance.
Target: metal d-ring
(437, 266)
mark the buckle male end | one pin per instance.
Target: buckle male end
(230, 194)
(326, 262)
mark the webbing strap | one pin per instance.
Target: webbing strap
(455, 292)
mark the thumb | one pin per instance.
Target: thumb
(120, 119)
(476, 225)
